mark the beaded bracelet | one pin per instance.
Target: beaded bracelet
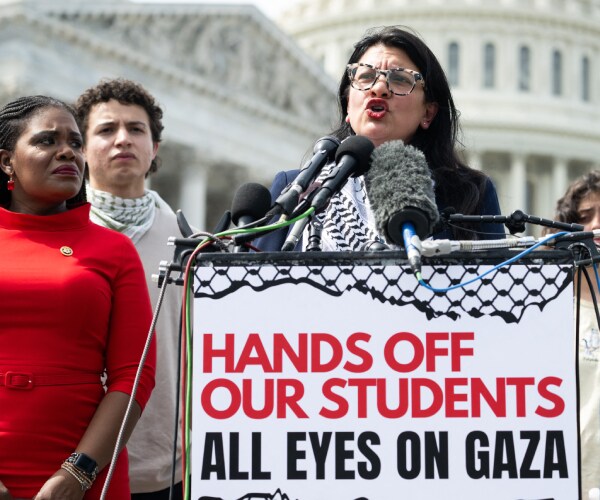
(84, 481)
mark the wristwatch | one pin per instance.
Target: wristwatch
(85, 464)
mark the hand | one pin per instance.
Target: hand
(4, 493)
(61, 486)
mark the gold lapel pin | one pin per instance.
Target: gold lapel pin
(66, 251)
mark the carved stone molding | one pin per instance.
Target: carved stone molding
(234, 55)
(230, 52)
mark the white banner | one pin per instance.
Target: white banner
(302, 394)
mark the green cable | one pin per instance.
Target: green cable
(270, 227)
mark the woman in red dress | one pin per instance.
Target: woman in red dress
(73, 306)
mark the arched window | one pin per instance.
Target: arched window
(524, 68)
(453, 64)
(489, 65)
(556, 73)
(585, 78)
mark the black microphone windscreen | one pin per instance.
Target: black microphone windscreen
(251, 200)
(360, 148)
(398, 182)
(329, 144)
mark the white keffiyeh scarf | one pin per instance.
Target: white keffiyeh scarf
(132, 217)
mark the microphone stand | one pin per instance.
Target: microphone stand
(581, 245)
(514, 222)
(315, 232)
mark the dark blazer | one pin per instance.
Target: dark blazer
(274, 241)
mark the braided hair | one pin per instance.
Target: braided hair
(14, 117)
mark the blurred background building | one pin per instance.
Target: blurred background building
(242, 100)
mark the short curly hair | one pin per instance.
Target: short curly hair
(126, 92)
(567, 207)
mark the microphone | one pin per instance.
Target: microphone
(323, 152)
(295, 234)
(352, 159)
(184, 228)
(250, 203)
(400, 190)
(432, 248)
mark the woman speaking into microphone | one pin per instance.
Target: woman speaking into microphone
(393, 88)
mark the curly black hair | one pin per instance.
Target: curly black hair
(126, 92)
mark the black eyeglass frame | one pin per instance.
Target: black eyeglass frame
(417, 77)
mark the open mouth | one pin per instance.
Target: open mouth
(377, 108)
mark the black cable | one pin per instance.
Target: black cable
(590, 285)
(577, 382)
(256, 223)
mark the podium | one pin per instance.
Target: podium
(338, 376)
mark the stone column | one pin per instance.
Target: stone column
(560, 179)
(193, 193)
(518, 182)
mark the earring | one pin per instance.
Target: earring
(10, 184)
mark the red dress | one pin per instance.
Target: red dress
(73, 303)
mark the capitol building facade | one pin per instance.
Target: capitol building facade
(241, 100)
(245, 97)
(525, 76)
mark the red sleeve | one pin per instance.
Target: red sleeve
(130, 321)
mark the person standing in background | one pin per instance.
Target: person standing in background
(122, 127)
(581, 205)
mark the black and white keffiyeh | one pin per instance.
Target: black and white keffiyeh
(347, 221)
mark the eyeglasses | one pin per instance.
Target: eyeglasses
(399, 81)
